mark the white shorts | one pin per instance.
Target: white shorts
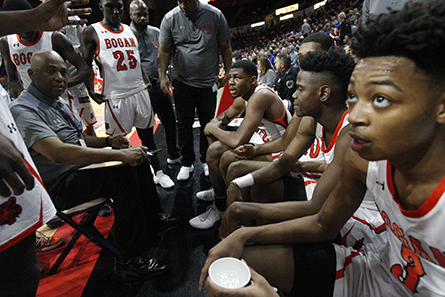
(122, 114)
(83, 107)
(362, 274)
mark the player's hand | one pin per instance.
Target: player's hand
(53, 14)
(13, 169)
(258, 287)
(210, 127)
(232, 246)
(120, 142)
(15, 88)
(222, 81)
(230, 220)
(135, 155)
(97, 97)
(166, 86)
(245, 151)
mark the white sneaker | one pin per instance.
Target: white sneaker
(174, 161)
(207, 195)
(207, 219)
(184, 173)
(205, 168)
(163, 180)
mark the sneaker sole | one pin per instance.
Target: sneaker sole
(134, 278)
(49, 248)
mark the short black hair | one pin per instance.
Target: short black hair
(285, 59)
(10, 5)
(416, 32)
(248, 67)
(324, 39)
(336, 64)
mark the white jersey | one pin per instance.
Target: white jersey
(20, 215)
(328, 152)
(269, 129)
(412, 263)
(21, 53)
(121, 65)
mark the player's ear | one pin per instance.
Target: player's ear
(324, 93)
(31, 73)
(440, 115)
(100, 6)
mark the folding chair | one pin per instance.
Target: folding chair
(85, 227)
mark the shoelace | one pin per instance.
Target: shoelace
(205, 215)
(42, 240)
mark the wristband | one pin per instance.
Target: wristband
(244, 181)
(107, 141)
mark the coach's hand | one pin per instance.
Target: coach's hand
(135, 155)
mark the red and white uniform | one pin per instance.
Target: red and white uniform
(269, 129)
(412, 263)
(20, 215)
(21, 53)
(366, 225)
(128, 103)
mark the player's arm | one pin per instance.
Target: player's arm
(226, 55)
(63, 153)
(48, 16)
(163, 62)
(258, 103)
(116, 142)
(277, 212)
(309, 166)
(63, 46)
(15, 85)
(90, 46)
(147, 81)
(234, 110)
(321, 227)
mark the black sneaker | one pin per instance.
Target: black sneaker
(105, 211)
(139, 268)
(164, 220)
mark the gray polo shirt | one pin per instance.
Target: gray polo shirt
(195, 43)
(37, 117)
(148, 49)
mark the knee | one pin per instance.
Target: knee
(235, 169)
(214, 152)
(227, 158)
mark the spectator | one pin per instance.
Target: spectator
(266, 74)
(293, 55)
(196, 69)
(305, 28)
(285, 83)
(345, 28)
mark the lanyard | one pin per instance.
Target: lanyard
(73, 123)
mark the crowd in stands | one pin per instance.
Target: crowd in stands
(253, 44)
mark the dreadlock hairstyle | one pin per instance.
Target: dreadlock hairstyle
(335, 64)
(416, 32)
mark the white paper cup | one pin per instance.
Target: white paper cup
(229, 273)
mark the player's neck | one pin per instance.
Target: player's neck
(330, 118)
(112, 27)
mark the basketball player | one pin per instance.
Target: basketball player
(127, 102)
(396, 152)
(17, 50)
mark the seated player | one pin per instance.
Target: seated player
(395, 151)
(266, 118)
